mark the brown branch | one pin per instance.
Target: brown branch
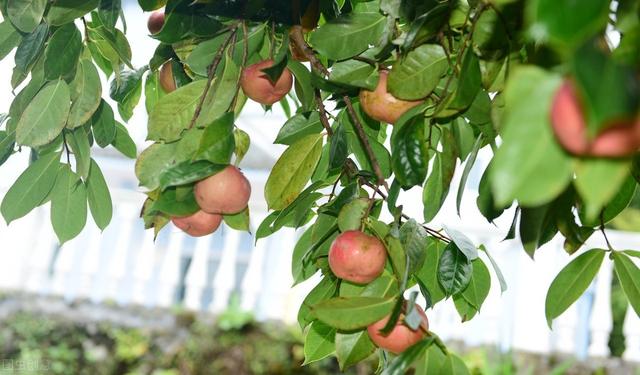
(211, 74)
(298, 38)
(431, 231)
(324, 120)
(245, 56)
(365, 142)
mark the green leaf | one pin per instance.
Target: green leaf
(126, 90)
(325, 289)
(68, 205)
(217, 143)
(469, 83)
(453, 365)
(348, 35)
(46, 115)
(152, 163)
(319, 342)
(103, 125)
(471, 160)
(415, 242)
(172, 202)
(427, 276)
(78, 141)
(385, 286)
(188, 172)
(354, 312)
(26, 14)
(298, 127)
(352, 214)
(537, 226)
(30, 48)
(431, 362)
(520, 169)
(99, 197)
(496, 269)
(109, 11)
(418, 74)
(292, 171)
(153, 92)
(9, 38)
(355, 73)
(564, 22)
(220, 97)
(173, 112)
(240, 221)
(201, 57)
(571, 282)
(454, 270)
(65, 11)
(462, 242)
(85, 92)
(352, 348)
(629, 277)
(436, 188)
(402, 363)
(409, 152)
(63, 52)
(597, 181)
(477, 290)
(615, 206)
(123, 142)
(31, 187)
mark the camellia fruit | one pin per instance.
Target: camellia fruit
(401, 337)
(381, 105)
(257, 85)
(570, 128)
(155, 22)
(357, 257)
(167, 81)
(199, 224)
(568, 121)
(226, 192)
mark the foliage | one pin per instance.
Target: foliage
(485, 73)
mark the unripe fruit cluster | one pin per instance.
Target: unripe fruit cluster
(569, 125)
(360, 258)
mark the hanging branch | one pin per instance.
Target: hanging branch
(298, 38)
(211, 74)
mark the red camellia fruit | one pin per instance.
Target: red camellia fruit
(570, 128)
(381, 105)
(167, 81)
(357, 257)
(226, 192)
(568, 120)
(155, 22)
(199, 224)
(257, 85)
(401, 337)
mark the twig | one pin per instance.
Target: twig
(211, 73)
(366, 60)
(66, 148)
(324, 120)
(365, 142)
(606, 239)
(431, 231)
(298, 38)
(245, 56)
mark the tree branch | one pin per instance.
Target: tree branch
(324, 120)
(298, 38)
(211, 74)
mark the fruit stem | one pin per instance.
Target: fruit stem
(606, 239)
(211, 73)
